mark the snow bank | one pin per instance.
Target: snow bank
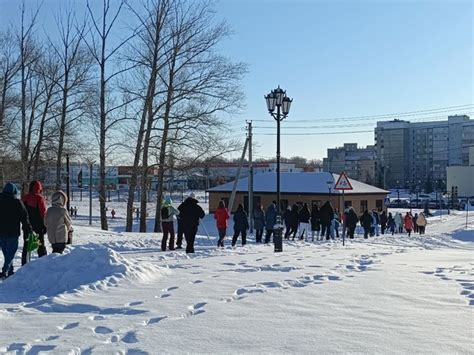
(82, 268)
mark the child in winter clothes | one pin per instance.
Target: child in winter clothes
(399, 222)
(12, 215)
(241, 225)
(58, 222)
(383, 221)
(304, 217)
(315, 222)
(293, 221)
(422, 222)
(167, 223)
(391, 223)
(335, 225)
(408, 223)
(221, 216)
(259, 222)
(35, 204)
(366, 222)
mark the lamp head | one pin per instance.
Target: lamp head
(286, 104)
(271, 101)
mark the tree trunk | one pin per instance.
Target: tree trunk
(62, 131)
(103, 123)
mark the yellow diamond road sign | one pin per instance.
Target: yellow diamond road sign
(343, 182)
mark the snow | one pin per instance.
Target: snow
(116, 292)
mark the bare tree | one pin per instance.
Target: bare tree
(104, 55)
(74, 77)
(199, 83)
(147, 56)
(9, 66)
(29, 54)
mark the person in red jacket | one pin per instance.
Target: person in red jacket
(221, 216)
(408, 223)
(36, 206)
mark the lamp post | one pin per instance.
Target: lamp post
(398, 192)
(277, 98)
(409, 188)
(329, 183)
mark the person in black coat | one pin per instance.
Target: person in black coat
(351, 222)
(326, 214)
(383, 221)
(12, 214)
(270, 221)
(366, 222)
(293, 221)
(315, 222)
(241, 225)
(304, 217)
(286, 219)
(190, 213)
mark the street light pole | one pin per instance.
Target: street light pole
(277, 98)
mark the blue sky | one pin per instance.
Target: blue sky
(340, 59)
(349, 58)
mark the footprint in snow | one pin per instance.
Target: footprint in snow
(52, 337)
(131, 304)
(102, 330)
(70, 326)
(96, 318)
(130, 338)
(154, 320)
(196, 282)
(195, 309)
(170, 289)
(165, 295)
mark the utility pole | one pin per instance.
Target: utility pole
(234, 189)
(90, 192)
(251, 206)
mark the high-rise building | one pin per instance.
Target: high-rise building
(417, 154)
(359, 163)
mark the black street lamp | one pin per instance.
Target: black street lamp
(277, 98)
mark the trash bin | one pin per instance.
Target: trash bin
(278, 235)
(278, 240)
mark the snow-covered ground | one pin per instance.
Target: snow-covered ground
(116, 292)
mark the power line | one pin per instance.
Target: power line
(389, 115)
(343, 125)
(312, 134)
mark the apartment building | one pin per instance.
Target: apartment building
(411, 153)
(359, 163)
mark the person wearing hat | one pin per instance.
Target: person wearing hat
(35, 205)
(190, 213)
(12, 214)
(58, 222)
(167, 223)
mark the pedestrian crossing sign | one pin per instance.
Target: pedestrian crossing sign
(343, 183)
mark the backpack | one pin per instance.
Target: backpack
(164, 213)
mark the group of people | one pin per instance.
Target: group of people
(321, 223)
(188, 215)
(73, 211)
(397, 224)
(30, 214)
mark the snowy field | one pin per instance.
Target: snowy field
(116, 292)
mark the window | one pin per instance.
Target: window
(363, 206)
